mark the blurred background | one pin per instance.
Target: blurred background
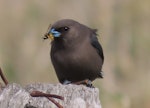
(124, 32)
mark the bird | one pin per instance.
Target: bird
(76, 53)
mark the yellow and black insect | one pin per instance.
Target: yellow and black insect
(48, 34)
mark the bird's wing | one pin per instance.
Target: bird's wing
(96, 44)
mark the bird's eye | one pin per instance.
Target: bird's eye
(66, 28)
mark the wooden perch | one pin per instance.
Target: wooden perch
(75, 96)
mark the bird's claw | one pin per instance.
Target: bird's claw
(65, 82)
(86, 82)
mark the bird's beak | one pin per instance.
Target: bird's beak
(52, 34)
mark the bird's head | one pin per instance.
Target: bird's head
(64, 29)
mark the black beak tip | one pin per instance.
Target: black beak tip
(45, 37)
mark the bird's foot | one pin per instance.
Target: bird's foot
(48, 96)
(65, 82)
(86, 82)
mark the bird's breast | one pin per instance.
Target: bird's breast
(63, 58)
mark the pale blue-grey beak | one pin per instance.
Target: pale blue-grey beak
(54, 33)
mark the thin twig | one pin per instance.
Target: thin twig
(56, 103)
(41, 94)
(3, 77)
(48, 96)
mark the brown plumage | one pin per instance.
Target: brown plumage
(76, 53)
